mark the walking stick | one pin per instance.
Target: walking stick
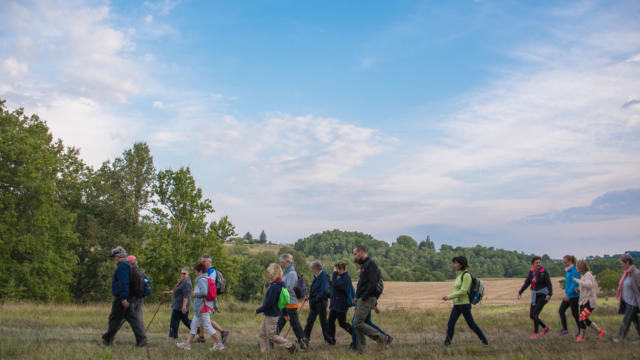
(154, 314)
(300, 308)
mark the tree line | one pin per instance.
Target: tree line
(59, 219)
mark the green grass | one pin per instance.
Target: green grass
(34, 331)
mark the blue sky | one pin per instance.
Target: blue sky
(509, 124)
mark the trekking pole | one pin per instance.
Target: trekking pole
(154, 315)
(289, 329)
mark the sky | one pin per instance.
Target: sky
(500, 123)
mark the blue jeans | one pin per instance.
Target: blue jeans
(464, 310)
(368, 322)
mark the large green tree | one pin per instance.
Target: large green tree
(36, 232)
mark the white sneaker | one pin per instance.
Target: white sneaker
(183, 345)
(217, 347)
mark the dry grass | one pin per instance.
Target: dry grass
(32, 331)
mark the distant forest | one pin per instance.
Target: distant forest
(60, 218)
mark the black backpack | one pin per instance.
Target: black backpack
(476, 290)
(301, 287)
(139, 284)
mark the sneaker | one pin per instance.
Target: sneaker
(617, 340)
(225, 336)
(447, 343)
(304, 344)
(563, 333)
(217, 347)
(200, 340)
(390, 340)
(292, 349)
(601, 334)
(580, 339)
(485, 344)
(183, 345)
(106, 342)
(546, 330)
(533, 336)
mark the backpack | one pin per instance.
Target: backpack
(351, 294)
(212, 292)
(284, 298)
(221, 283)
(301, 287)
(379, 285)
(476, 290)
(139, 284)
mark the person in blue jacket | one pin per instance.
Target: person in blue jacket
(572, 296)
(271, 313)
(125, 306)
(340, 287)
(318, 299)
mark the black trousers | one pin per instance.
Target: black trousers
(294, 322)
(132, 315)
(465, 311)
(574, 304)
(176, 317)
(342, 321)
(536, 309)
(317, 309)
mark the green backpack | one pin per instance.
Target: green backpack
(284, 298)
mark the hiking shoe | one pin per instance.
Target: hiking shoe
(292, 349)
(225, 335)
(533, 336)
(106, 342)
(580, 339)
(546, 330)
(390, 340)
(617, 340)
(485, 344)
(563, 333)
(183, 345)
(217, 347)
(200, 340)
(383, 344)
(304, 344)
(144, 343)
(447, 343)
(601, 334)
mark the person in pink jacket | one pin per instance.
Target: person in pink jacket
(588, 300)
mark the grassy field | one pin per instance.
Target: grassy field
(32, 331)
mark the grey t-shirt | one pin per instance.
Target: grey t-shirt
(182, 291)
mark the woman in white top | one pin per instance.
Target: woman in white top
(588, 300)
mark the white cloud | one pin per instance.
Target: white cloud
(13, 67)
(163, 7)
(159, 104)
(148, 19)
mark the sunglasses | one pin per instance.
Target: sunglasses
(184, 273)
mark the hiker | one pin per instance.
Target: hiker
(541, 292)
(318, 298)
(628, 296)
(213, 274)
(588, 300)
(366, 294)
(290, 313)
(181, 303)
(572, 296)
(202, 307)
(125, 306)
(376, 309)
(341, 286)
(272, 313)
(461, 303)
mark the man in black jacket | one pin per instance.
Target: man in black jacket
(367, 295)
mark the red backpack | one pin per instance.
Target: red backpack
(212, 293)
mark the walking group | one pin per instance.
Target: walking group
(287, 294)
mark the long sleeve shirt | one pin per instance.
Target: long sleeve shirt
(270, 304)
(120, 281)
(588, 290)
(319, 287)
(571, 285)
(340, 292)
(368, 280)
(542, 281)
(461, 286)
